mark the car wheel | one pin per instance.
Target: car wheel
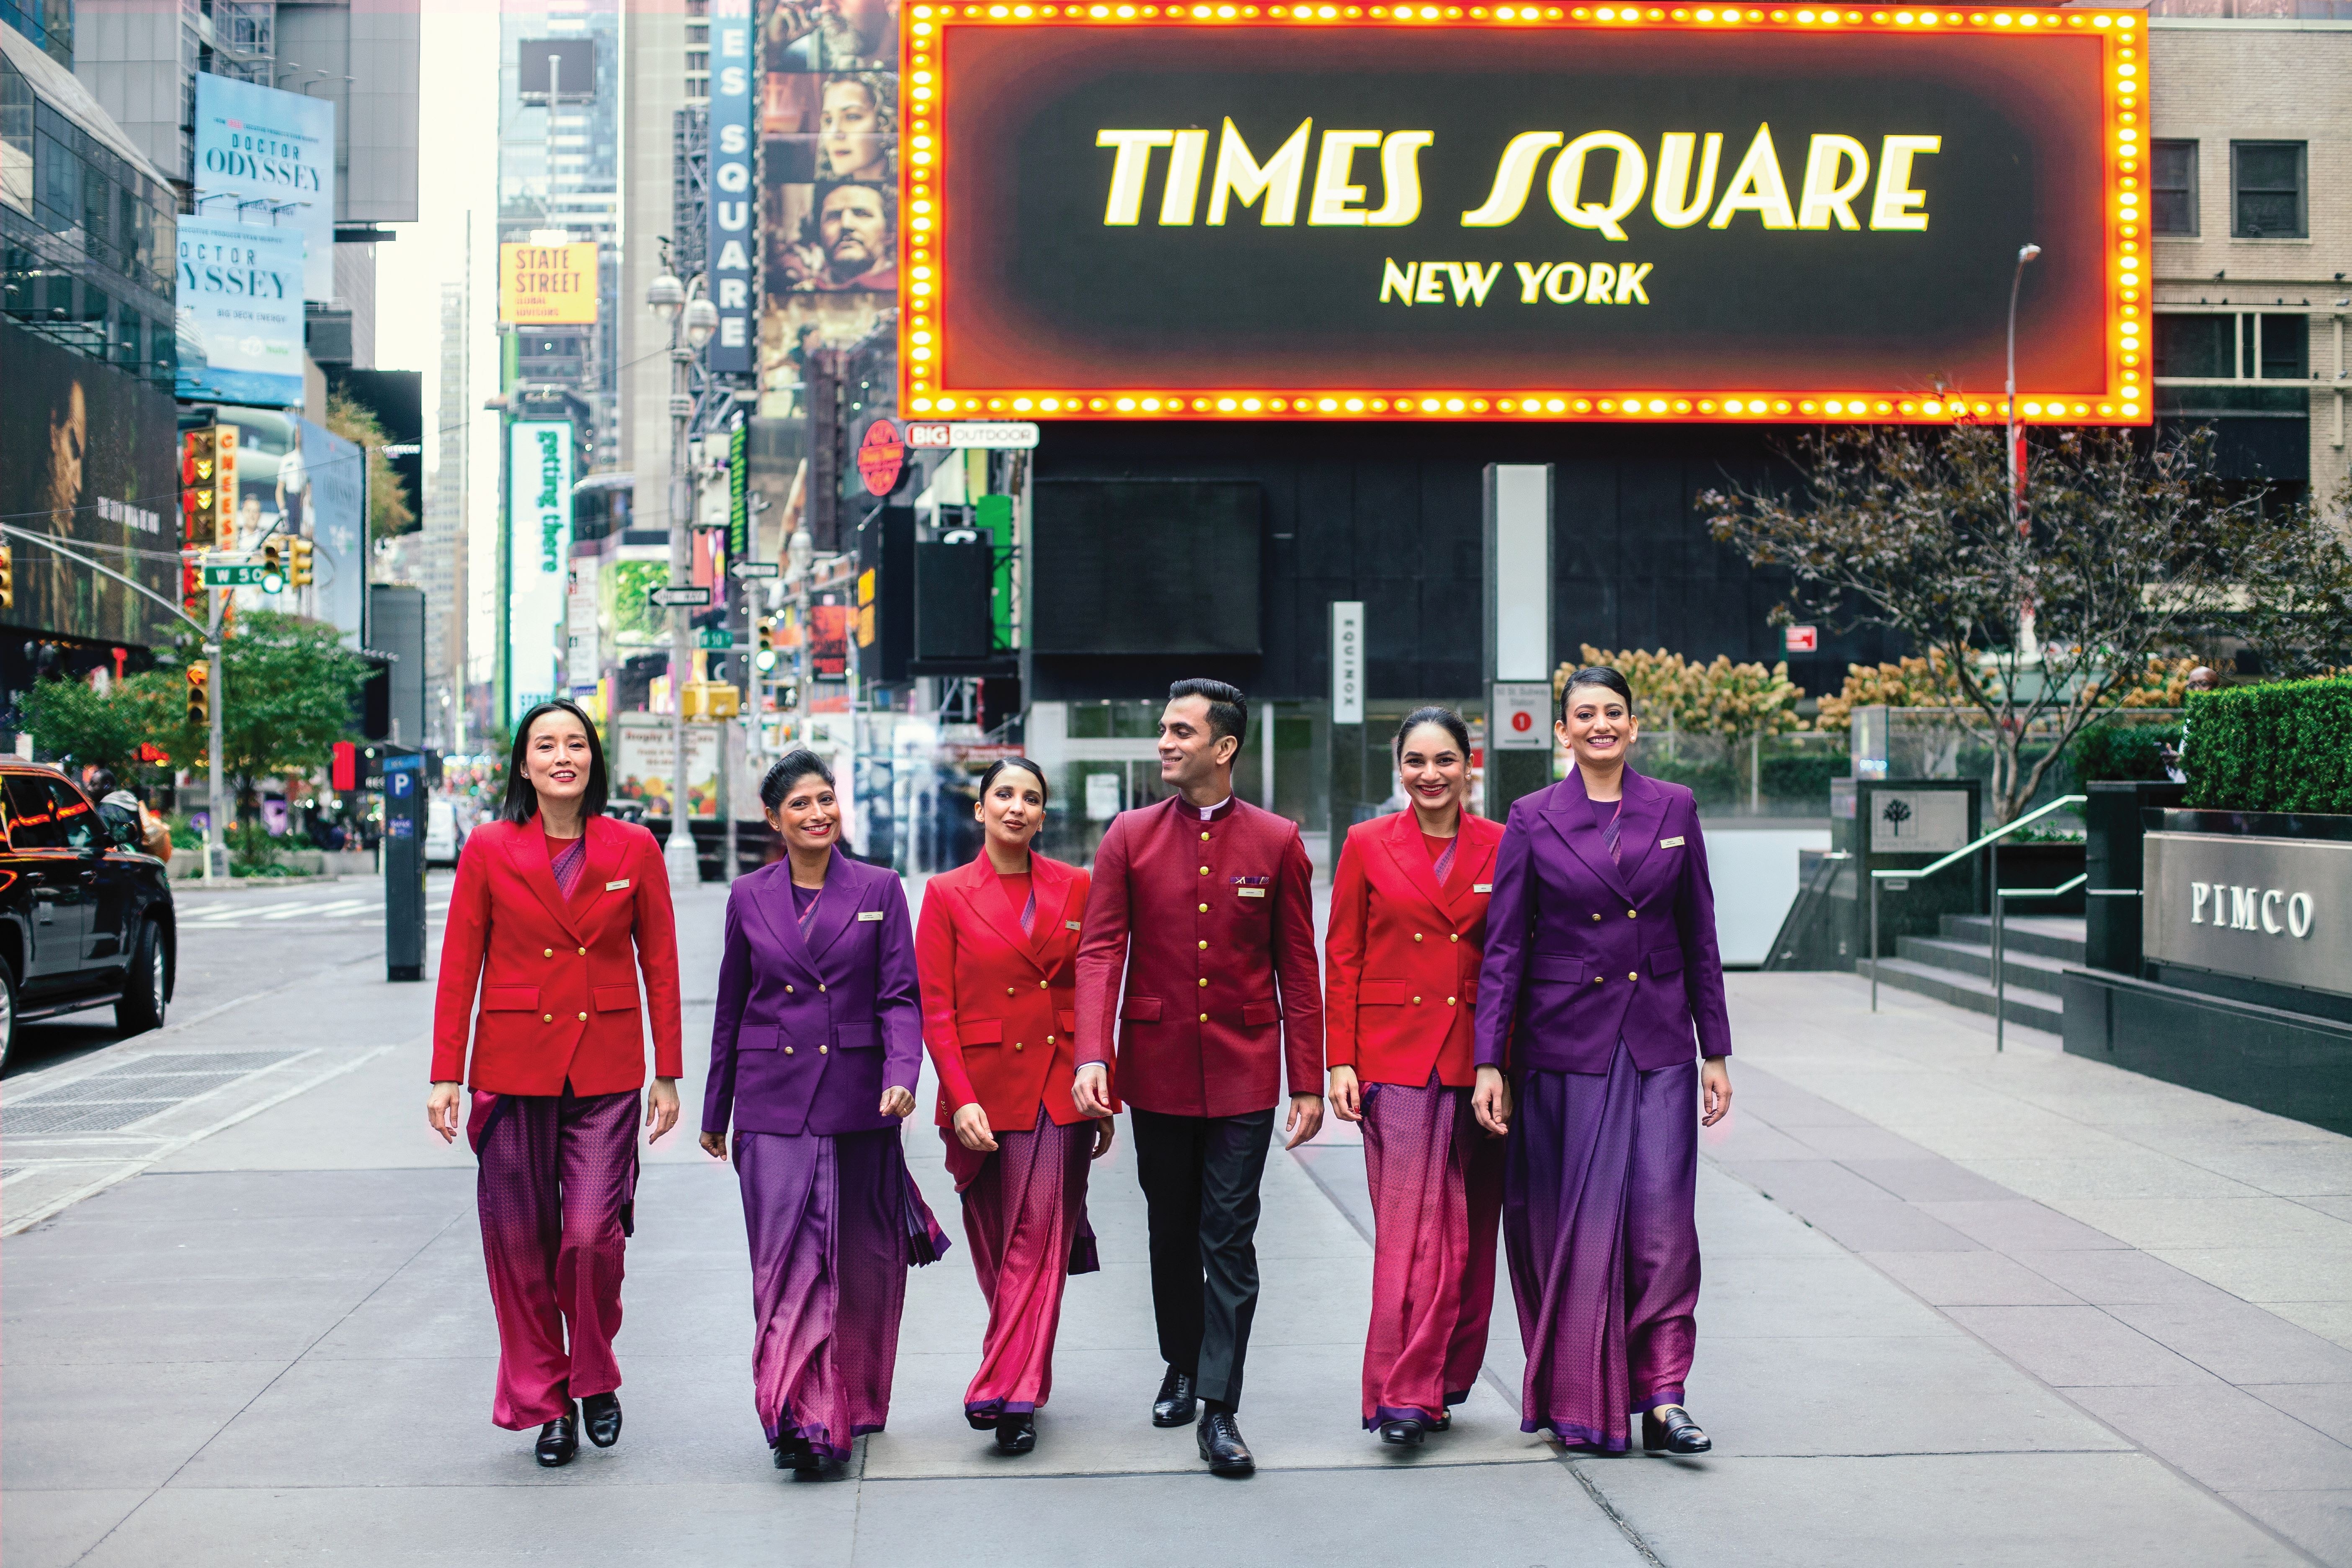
(145, 986)
(7, 1012)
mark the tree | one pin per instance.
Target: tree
(389, 512)
(74, 721)
(288, 689)
(2131, 553)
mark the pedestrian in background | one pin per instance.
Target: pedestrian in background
(995, 951)
(1400, 959)
(556, 910)
(1600, 967)
(814, 1052)
(1204, 906)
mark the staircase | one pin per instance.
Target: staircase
(1955, 966)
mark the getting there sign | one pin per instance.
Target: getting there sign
(1700, 213)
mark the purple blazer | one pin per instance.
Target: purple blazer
(809, 1033)
(1582, 948)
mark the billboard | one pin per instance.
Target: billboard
(266, 153)
(296, 479)
(547, 285)
(538, 544)
(240, 313)
(732, 245)
(1557, 213)
(88, 457)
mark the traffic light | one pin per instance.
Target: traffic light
(764, 656)
(199, 711)
(208, 488)
(273, 568)
(298, 562)
(7, 578)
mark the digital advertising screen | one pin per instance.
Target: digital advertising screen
(1136, 211)
(267, 155)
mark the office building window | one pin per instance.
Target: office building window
(2266, 181)
(2174, 188)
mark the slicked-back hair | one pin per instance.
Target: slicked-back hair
(1228, 708)
(776, 785)
(1446, 719)
(521, 803)
(988, 779)
(1595, 675)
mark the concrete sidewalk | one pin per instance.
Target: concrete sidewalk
(273, 1343)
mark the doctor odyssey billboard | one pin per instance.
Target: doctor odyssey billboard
(1691, 213)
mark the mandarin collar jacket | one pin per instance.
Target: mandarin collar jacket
(809, 1031)
(1582, 948)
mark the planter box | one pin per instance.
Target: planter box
(2042, 866)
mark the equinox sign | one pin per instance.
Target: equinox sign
(1136, 211)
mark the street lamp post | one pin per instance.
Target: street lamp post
(800, 559)
(2026, 639)
(666, 297)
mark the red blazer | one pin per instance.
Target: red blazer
(558, 977)
(1401, 957)
(1000, 1009)
(1212, 925)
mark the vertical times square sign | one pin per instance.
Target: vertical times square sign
(1384, 211)
(730, 247)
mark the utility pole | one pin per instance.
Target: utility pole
(215, 845)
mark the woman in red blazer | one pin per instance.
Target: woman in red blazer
(556, 910)
(1400, 977)
(994, 950)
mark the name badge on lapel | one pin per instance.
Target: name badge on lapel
(1251, 887)
(1674, 843)
(1482, 887)
(619, 887)
(869, 914)
(1072, 924)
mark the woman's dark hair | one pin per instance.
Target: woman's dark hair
(988, 779)
(776, 788)
(522, 801)
(1446, 719)
(1228, 708)
(1595, 675)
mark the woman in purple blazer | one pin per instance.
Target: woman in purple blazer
(814, 1054)
(1600, 971)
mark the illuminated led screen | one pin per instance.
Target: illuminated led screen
(1143, 211)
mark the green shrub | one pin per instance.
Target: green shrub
(1803, 776)
(2112, 751)
(2278, 746)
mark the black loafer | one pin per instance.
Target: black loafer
(559, 1440)
(1220, 1438)
(1016, 1432)
(793, 1453)
(1175, 1407)
(1669, 1429)
(601, 1413)
(1405, 1433)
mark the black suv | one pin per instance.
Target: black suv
(85, 914)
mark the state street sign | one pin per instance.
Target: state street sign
(1563, 213)
(546, 285)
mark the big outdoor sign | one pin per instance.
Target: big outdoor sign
(1595, 211)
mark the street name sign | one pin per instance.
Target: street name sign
(680, 598)
(243, 574)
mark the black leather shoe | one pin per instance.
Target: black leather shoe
(601, 1413)
(1670, 1430)
(1175, 1407)
(1220, 1437)
(559, 1440)
(1016, 1432)
(793, 1453)
(1406, 1434)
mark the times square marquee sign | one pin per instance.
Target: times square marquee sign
(1409, 212)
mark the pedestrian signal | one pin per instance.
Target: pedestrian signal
(199, 711)
(298, 562)
(273, 568)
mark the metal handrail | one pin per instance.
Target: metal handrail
(1990, 841)
(1999, 987)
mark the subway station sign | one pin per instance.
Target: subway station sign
(1225, 211)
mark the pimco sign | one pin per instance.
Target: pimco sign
(2256, 907)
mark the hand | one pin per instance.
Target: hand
(1490, 1101)
(1715, 1090)
(971, 1130)
(715, 1145)
(1106, 1134)
(661, 1109)
(899, 1103)
(1347, 1095)
(1305, 1121)
(1091, 1090)
(441, 1109)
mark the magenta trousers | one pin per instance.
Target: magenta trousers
(556, 1187)
(1025, 1214)
(1436, 1182)
(1598, 1223)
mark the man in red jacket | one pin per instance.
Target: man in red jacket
(1205, 905)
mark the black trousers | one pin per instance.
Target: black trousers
(1200, 1177)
